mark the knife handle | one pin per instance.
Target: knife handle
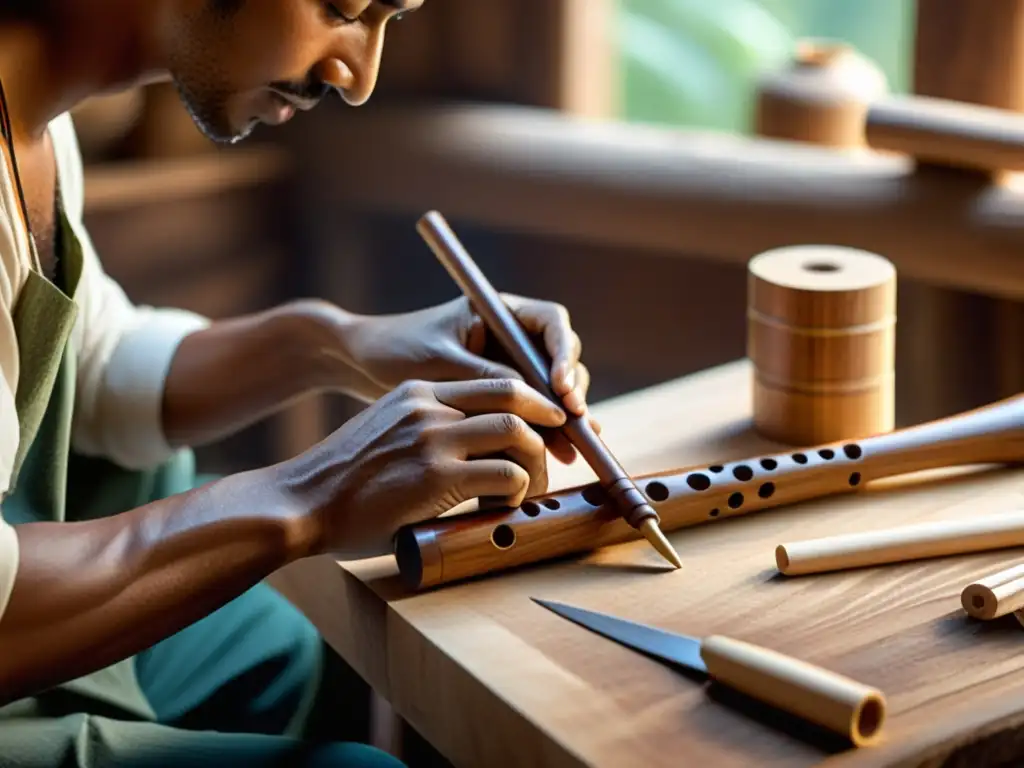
(832, 701)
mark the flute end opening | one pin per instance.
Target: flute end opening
(781, 558)
(869, 720)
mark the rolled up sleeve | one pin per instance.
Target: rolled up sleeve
(124, 351)
(9, 430)
(13, 249)
(9, 552)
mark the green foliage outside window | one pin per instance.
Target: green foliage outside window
(695, 63)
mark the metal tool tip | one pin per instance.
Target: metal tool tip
(653, 534)
(551, 605)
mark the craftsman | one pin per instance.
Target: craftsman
(135, 627)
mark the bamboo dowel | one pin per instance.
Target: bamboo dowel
(995, 595)
(894, 545)
(948, 132)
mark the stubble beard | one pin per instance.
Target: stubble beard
(211, 120)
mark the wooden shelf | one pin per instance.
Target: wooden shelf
(131, 183)
(194, 232)
(664, 191)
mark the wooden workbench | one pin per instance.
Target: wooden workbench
(490, 678)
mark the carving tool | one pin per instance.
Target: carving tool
(636, 510)
(851, 709)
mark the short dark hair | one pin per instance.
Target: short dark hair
(22, 10)
(226, 7)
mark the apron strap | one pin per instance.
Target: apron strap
(8, 135)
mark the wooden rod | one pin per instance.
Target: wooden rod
(995, 595)
(583, 519)
(948, 132)
(896, 545)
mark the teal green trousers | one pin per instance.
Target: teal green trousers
(230, 690)
(226, 690)
(233, 689)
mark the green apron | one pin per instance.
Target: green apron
(105, 720)
(45, 468)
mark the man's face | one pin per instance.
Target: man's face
(237, 63)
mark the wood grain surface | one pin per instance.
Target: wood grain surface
(490, 678)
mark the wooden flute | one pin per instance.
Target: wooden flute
(582, 519)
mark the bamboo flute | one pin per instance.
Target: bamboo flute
(582, 519)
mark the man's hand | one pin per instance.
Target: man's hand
(142, 575)
(237, 371)
(450, 342)
(416, 453)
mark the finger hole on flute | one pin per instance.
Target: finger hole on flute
(503, 536)
(594, 495)
(656, 491)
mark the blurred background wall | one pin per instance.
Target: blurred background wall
(229, 231)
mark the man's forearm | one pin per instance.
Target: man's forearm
(238, 371)
(92, 593)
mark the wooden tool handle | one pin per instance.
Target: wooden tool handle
(531, 363)
(832, 701)
(499, 319)
(908, 542)
(995, 595)
(585, 518)
(948, 132)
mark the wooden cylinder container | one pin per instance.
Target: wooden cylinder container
(821, 97)
(821, 323)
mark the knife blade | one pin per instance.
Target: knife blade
(842, 705)
(666, 646)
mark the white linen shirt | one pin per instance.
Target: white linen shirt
(123, 351)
